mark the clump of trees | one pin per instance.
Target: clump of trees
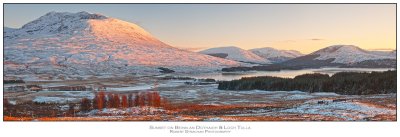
(71, 109)
(13, 81)
(165, 70)
(6, 103)
(85, 104)
(347, 83)
(101, 101)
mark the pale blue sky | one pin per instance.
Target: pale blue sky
(282, 26)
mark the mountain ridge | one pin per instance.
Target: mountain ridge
(237, 54)
(276, 55)
(349, 54)
(345, 56)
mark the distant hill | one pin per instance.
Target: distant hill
(332, 56)
(275, 55)
(237, 54)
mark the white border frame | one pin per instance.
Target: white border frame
(114, 129)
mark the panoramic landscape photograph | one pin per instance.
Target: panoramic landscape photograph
(199, 62)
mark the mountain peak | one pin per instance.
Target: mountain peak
(80, 15)
(59, 22)
(348, 54)
(84, 24)
(60, 17)
(335, 48)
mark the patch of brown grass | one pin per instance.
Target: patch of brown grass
(8, 118)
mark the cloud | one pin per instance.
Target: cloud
(316, 39)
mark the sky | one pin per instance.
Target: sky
(302, 27)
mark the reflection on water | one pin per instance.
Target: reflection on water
(283, 73)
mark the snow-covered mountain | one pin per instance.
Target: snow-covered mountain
(84, 43)
(349, 54)
(276, 55)
(235, 53)
(343, 56)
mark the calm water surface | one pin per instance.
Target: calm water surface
(283, 73)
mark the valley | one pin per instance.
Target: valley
(184, 98)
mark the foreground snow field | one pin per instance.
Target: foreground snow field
(204, 102)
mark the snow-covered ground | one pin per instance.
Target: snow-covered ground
(258, 103)
(124, 111)
(209, 94)
(62, 96)
(134, 88)
(149, 86)
(344, 109)
(45, 99)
